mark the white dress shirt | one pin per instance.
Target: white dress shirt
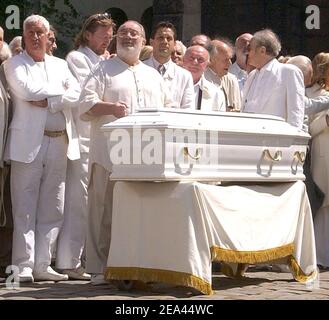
(81, 62)
(240, 74)
(113, 80)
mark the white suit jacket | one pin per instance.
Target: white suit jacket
(319, 131)
(81, 62)
(179, 83)
(229, 84)
(26, 83)
(280, 92)
(3, 120)
(212, 98)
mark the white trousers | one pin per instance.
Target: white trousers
(100, 199)
(72, 238)
(37, 193)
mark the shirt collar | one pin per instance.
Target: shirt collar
(268, 66)
(156, 63)
(92, 55)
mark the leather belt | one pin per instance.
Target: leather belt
(54, 134)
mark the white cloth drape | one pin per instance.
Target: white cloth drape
(170, 232)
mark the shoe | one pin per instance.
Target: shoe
(49, 275)
(77, 274)
(26, 275)
(98, 279)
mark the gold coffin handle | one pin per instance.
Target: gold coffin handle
(300, 156)
(277, 155)
(197, 155)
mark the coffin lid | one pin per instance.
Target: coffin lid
(215, 121)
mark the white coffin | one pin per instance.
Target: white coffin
(174, 145)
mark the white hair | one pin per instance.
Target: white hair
(34, 19)
(268, 39)
(181, 44)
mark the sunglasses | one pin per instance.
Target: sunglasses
(102, 16)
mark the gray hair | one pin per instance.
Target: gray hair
(220, 45)
(182, 46)
(34, 19)
(268, 39)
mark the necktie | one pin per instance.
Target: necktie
(198, 107)
(161, 69)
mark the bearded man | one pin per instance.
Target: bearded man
(117, 87)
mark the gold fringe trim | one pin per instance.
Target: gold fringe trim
(251, 257)
(158, 275)
(298, 273)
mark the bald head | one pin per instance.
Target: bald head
(241, 49)
(196, 61)
(305, 65)
(241, 40)
(221, 54)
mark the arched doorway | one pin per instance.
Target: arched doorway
(146, 21)
(118, 16)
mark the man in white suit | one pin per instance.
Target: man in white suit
(178, 80)
(221, 53)
(117, 87)
(91, 44)
(41, 137)
(5, 211)
(273, 88)
(207, 97)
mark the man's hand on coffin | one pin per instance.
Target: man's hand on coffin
(41, 103)
(120, 109)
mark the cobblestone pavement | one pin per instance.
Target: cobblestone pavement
(256, 285)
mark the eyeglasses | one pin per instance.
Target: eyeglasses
(125, 32)
(199, 60)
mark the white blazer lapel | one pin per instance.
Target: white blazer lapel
(269, 82)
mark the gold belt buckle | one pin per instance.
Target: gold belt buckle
(54, 134)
